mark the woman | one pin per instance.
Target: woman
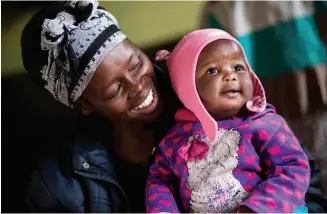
(102, 165)
(123, 90)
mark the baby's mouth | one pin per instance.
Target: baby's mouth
(231, 93)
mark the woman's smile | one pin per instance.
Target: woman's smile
(147, 102)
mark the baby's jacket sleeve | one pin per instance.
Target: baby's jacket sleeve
(288, 172)
(159, 189)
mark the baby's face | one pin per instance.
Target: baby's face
(222, 79)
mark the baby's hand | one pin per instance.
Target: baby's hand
(244, 209)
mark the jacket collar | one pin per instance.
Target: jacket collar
(88, 156)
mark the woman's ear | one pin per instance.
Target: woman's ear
(86, 109)
(83, 106)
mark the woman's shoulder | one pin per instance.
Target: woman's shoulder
(57, 181)
(52, 185)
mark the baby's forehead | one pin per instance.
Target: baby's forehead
(222, 49)
(222, 44)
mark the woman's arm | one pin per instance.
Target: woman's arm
(53, 189)
(314, 197)
(39, 198)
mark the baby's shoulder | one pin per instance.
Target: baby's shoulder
(269, 122)
(179, 134)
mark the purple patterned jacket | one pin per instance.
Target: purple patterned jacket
(256, 162)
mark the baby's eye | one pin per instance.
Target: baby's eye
(239, 68)
(212, 71)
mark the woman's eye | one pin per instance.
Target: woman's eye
(212, 71)
(116, 92)
(239, 68)
(137, 65)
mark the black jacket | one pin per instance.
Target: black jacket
(76, 178)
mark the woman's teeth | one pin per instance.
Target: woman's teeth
(147, 101)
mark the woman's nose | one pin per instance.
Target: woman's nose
(136, 87)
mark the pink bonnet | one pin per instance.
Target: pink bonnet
(182, 63)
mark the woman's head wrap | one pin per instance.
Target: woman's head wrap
(72, 39)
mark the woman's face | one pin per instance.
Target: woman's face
(124, 86)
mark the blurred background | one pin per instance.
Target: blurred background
(285, 43)
(162, 22)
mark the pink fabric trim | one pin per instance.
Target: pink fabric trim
(193, 150)
(185, 115)
(162, 55)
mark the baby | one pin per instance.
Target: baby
(230, 151)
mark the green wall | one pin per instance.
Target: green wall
(146, 23)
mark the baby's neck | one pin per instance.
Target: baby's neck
(230, 115)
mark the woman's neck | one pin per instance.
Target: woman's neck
(132, 142)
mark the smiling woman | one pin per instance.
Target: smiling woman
(84, 61)
(124, 86)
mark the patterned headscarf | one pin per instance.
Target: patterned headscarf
(76, 41)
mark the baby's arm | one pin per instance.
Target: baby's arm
(287, 171)
(159, 191)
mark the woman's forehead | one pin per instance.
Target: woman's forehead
(114, 65)
(120, 56)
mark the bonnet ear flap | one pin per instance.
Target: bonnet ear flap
(162, 55)
(258, 102)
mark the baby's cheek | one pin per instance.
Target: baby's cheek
(210, 90)
(248, 88)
